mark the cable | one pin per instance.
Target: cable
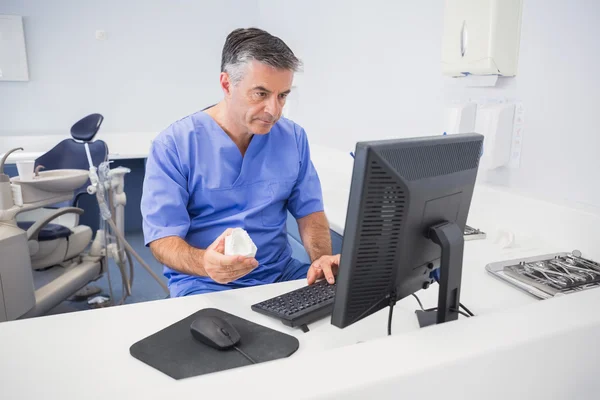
(466, 309)
(460, 312)
(392, 304)
(110, 288)
(121, 249)
(390, 319)
(419, 301)
(108, 212)
(244, 354)
(106, 216)
(126, 283)
(137, 256)
(130, 261)
(461, 305)
(452, 309)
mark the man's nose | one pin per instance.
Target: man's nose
(272, 106)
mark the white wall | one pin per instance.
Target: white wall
(559, 86)
(357, 83)
(161, 62)
(373, 71)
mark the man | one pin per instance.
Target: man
(237, 164)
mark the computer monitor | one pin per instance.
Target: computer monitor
(408, 207)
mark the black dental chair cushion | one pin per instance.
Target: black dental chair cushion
(48, 232)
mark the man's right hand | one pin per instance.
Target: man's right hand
(224, 269)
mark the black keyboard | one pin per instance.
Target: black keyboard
(302, 306)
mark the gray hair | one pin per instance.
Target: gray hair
(245, 45)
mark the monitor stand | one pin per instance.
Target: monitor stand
(450, 237)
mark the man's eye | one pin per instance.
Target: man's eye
(262, 95)
(283, 95)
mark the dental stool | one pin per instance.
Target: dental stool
(51, 244)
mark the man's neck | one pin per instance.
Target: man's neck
(239, 135)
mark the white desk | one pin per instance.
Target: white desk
(86, 354)
(93, 346)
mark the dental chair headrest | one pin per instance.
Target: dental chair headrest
(86, 128)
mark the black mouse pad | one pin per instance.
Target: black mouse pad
(175, 352)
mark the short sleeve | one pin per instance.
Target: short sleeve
(306, 197)
(164, 196)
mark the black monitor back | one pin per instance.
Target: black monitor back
(400, 188)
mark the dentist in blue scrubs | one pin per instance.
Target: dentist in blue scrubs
(236, 164)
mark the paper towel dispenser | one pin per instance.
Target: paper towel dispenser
(481, 37)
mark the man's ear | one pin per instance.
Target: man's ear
(225, 83)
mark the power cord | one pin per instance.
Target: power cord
(390, 320)
(460, 312)
(461, 305)
(244, 354)
(466, 309)
(419, 301)
(392, 304)
(467, 314)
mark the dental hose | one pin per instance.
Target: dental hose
(104, 230)
(121, 248)
(107, 217)
(113, 211)
(130, 261)
(137, 257)
(125, 280)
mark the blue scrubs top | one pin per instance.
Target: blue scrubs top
(197, 184)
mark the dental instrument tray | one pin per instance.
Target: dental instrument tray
(549, 275)
(473, 233)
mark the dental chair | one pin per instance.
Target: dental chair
(44, 259)
(49, 243)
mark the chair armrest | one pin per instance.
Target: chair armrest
(34, 230)
(68, 220)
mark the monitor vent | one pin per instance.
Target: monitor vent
(378, 240)
(441, 159)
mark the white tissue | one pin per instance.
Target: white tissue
(239, 243)
(505, 239)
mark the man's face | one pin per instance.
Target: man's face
(256, 102)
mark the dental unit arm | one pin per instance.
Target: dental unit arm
(108, 187)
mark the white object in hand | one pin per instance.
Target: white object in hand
(239, 243)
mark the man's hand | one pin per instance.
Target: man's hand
(326, 266)
(224, 269)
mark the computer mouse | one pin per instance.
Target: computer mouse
(215, 332)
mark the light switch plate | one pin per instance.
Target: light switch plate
(518, 130)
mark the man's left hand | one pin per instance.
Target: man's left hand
(324, 267)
